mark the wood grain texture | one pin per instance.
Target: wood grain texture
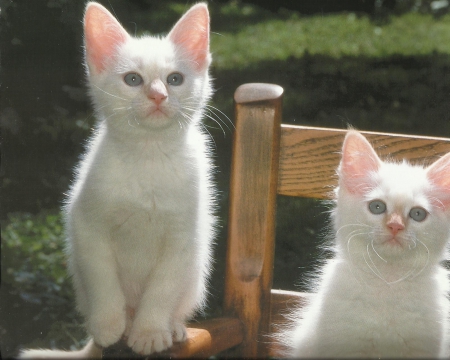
(309, 156)
(251, 223)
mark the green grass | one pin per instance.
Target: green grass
(331, 35)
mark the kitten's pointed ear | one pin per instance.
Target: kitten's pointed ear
(359, 161)
(439, 175)
(191, 33)
(102, 34)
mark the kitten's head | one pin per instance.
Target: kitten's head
(391, 214)
(148, 83)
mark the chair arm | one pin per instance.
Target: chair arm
(204, 339)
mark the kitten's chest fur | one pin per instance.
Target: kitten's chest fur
(146, 195)
(147, 175)
(378, 316)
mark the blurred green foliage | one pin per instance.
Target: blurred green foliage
(33, 259)
(35, 280)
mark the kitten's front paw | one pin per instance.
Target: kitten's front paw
(107, 329)
(179, 332)
(148, 341)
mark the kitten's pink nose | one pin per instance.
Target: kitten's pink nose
(395, 223)
(157, 92)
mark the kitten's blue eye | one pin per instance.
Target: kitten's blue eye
(133, 79)
(377, 207)
(175, 79)
(418, 214)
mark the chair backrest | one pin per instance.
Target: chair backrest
(269, 159)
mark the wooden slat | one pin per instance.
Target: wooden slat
(251, 230)
(204, 339)
(309, 156)
(209, 338)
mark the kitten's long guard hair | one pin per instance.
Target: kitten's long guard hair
(139, 216)
(385, 292)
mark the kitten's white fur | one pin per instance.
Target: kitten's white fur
(373, 299)
(139, 215)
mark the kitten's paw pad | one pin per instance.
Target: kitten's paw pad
(107, 330)
(150, 341)
(179, 332)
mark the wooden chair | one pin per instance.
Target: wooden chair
(271, 158)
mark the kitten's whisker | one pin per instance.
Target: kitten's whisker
(401, 279)
(187, 120)
(110, 116)
(218, 123)
(428, 258)
(375, 269)
(213, 109)
(411, 271)
(115, 96)
(209, 134)
(413, 243)
(347, 225)
(214, 116)
(376, 252)
(135, 120)
(353, 234)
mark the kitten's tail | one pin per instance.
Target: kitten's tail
(90, 351)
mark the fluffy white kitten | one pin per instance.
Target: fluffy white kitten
(384, 294)
(139, 215)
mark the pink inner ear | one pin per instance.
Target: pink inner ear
(191, 33)
(439, 175)
(103, 35)
(359, 161)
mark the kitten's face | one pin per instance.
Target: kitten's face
(390, 215)
(397, 212)
(148, 83)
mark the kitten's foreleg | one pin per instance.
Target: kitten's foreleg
(102, 301)
(191, 299)
(153, 325)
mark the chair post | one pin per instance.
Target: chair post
(251, 231)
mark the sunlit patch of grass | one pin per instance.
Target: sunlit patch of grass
(334, 35)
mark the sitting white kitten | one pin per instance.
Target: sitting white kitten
(384, 294)
(139, 215)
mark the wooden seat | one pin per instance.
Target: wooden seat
(271, 158)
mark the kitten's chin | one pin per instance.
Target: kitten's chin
(394, 245)
(157, 120)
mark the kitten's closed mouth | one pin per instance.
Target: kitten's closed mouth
(157, 112)
(395, 241)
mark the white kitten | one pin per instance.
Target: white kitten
(385, 293)
(139, 216)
